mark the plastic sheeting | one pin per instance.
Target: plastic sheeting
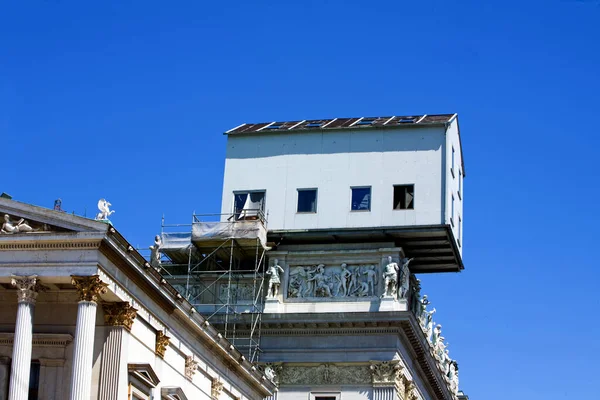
(225, 230)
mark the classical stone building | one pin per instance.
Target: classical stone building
(340, 215)
(356, 207)
(84, 316)
(304, 287)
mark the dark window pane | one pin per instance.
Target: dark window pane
(307, 200)
(248, 205)
(404, 197)
(34, 380)
(361, 199)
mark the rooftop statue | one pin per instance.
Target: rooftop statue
(19, 226)
(274, 280)
(155, 252)
(105, 211)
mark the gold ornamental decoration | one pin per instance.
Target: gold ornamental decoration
(89, 288)
(119, 314)
(162, 342)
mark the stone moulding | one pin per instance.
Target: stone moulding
(162, 343)
(50, 246)
(40, 339)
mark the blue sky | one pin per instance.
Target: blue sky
(128, 101)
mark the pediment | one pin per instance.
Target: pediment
(18, 218)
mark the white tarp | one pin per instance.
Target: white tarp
(226, 230)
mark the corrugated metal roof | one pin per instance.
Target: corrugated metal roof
(342, 123)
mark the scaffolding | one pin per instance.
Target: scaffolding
(217, 263)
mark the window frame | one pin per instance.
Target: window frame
(394, 197)
(370, 197)
(460, 177)
(459, 239)
(316, 395)
(298, 190)
(248, 192)
(452, 210)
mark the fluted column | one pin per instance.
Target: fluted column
(89, 288)
(387, 380)
(27, 290)
(113, 374)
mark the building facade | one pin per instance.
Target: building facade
(84, 316)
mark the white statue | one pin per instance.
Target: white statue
(155, 252)
(453, 376)
(371, 279)
(404, 277)
(421, 308)
(428, 323)
(15, 227)
(437, 332)
(344, 277)
(274, 280)
(390, 277)
(320, 280)
(105, 212)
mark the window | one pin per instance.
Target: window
(361, 199)
(307, 201)
(460, 178)
(325, 396)
(249, 205)
(404, 197)
(452, 167)
(452, 212)
(34, 380)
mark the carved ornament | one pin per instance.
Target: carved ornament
(89, 287)
(27, 287)
(119, 314)
(162, 342)
(216, 388)
(325, 374)
(190, 367)
(385, 372)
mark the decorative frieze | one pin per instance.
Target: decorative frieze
(119, 314)
(162, 342)
(333, 281)
(27, 287)
(89, 288)
(190, 367)
(325, 374)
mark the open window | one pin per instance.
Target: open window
(404, 197)
(249, 205)
(361, 198)
(307, 201)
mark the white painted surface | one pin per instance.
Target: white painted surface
(454, 173)
(334, 162)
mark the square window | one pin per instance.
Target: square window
(249, 205)
(452, 212)
(404, 197)
(452, 167)
(307, 201)
(460, 178)
(325, 396)
(361, 199)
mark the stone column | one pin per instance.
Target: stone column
(27, 290)
(113, 373)
(89, 288)
(387, 380)
(4, 368)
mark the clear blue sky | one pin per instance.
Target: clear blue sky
(129, 100)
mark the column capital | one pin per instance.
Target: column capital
(28, 287)
(119, 314)
(162, 342)
(215, 388)
(386, 373)
(190, 367)
(89, 288)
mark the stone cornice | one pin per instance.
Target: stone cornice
(38, 245)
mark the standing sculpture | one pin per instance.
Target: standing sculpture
(427, 323)
(15, 227)
(274, 280)
(344, 278)
(404, 277)
(390, 277)
(105, 211)
(155, 253)
(437, 332)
